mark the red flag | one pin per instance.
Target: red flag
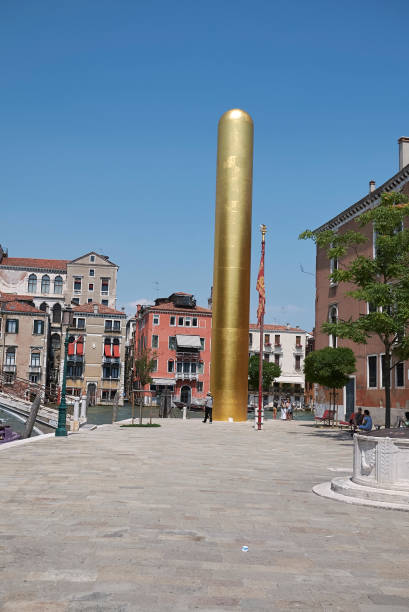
(261, 289)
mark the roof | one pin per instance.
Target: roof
(101, 309)
(367, 202)
(12, 297)
(185, 309)
(284, 328)
(17, 307)
(28, 262)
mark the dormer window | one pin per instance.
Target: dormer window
(92, 258)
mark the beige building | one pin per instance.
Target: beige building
(23, 335)
(96, 353)
(91, 278)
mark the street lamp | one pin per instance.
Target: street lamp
(62, 408)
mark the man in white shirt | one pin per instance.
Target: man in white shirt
(208, 408)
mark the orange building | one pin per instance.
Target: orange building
(179, 333)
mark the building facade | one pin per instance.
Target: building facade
(364, 388)
(178, 332)
(96, 354)
(285, 346)
(23, 337)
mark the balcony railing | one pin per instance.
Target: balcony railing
(298, 347)
(34, 369)
(76, 358)
(186, 376)
(9, 367)
(112, 330)
(111, 359)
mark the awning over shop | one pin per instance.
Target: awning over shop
(163, 381)
(293, 380)
(188, 341)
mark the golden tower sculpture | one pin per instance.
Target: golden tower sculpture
(231, 273)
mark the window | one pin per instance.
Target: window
(117, 326)
(194, 322)
(79, 323)
(384, 374)
(250, 339)
(58, 284)
(180, 321)
(33, 378)
(172, 343)
(187, 321)
(298, 341)
(267, 339)
(104, 286)
(104, 302)
(38, 327)
(74, 369)
(200, 367)
(12, 326)
(333, 318)
(77, 284)
(108, 325)
(156, 319)
(400, 374)
(277, 340)
(155, 365)
(32, 283)
(155, 341)
(333, 266)
(277, 359)
(179, 366)
(89, 300)
(35, 360)
(92, 272)
(202, 344)
(75, 301)
(56, 313)
(110, 370)
(200, 387)
(92, 258)
(298, 362)
(372, 371)
(172, 321)
(45, 284)
(171, 365)
(11, 356)
(90, 286)
(371, 308)
(186, 367)
(266, 357)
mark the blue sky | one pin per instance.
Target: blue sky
(109, 114)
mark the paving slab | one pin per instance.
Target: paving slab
(125, 519)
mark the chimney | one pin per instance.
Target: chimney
(403, 152)
(95, 308)
(371, 186)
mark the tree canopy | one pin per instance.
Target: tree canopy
(330, 367)
(270, 372)
(144, 366)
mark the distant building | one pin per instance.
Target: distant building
(364, 388)
(23, 340)
(179, 332)
(285, 346)
(96, 354)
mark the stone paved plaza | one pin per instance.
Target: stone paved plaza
(155, 519)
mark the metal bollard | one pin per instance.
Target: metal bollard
(184, 413)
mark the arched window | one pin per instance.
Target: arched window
(32, 283)
(55, 342)
(56, 313)
(44, 307)
(333, 318)
(58, 284)
(45, 284)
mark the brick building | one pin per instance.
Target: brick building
(179, 332)
(364, 388)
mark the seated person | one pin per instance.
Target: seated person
(404, 422)
(367, 422)
(356, 418)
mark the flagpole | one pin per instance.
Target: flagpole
(263, 230)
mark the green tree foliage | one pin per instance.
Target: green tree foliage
(270, 372)
(329, 366)
(144, 366)
(382, 281)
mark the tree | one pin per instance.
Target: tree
(270, 372)
(145, 364)
(330, 367)
(381, 280)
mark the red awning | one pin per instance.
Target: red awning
(116, 350)
(71, 348)
(107, 350)
(80, 347)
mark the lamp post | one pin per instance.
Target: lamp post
(62, 408)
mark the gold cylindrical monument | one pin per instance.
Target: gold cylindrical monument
(231, 274)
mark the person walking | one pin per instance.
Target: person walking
(208, 408)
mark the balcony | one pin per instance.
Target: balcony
(111, 377)
(186, 376)
(111, 359)
(267, 346)
(76, 358)
(9, 367)
(186, 356)
(80, 328)
(112, 330)
(298, 348)
(34, 369)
